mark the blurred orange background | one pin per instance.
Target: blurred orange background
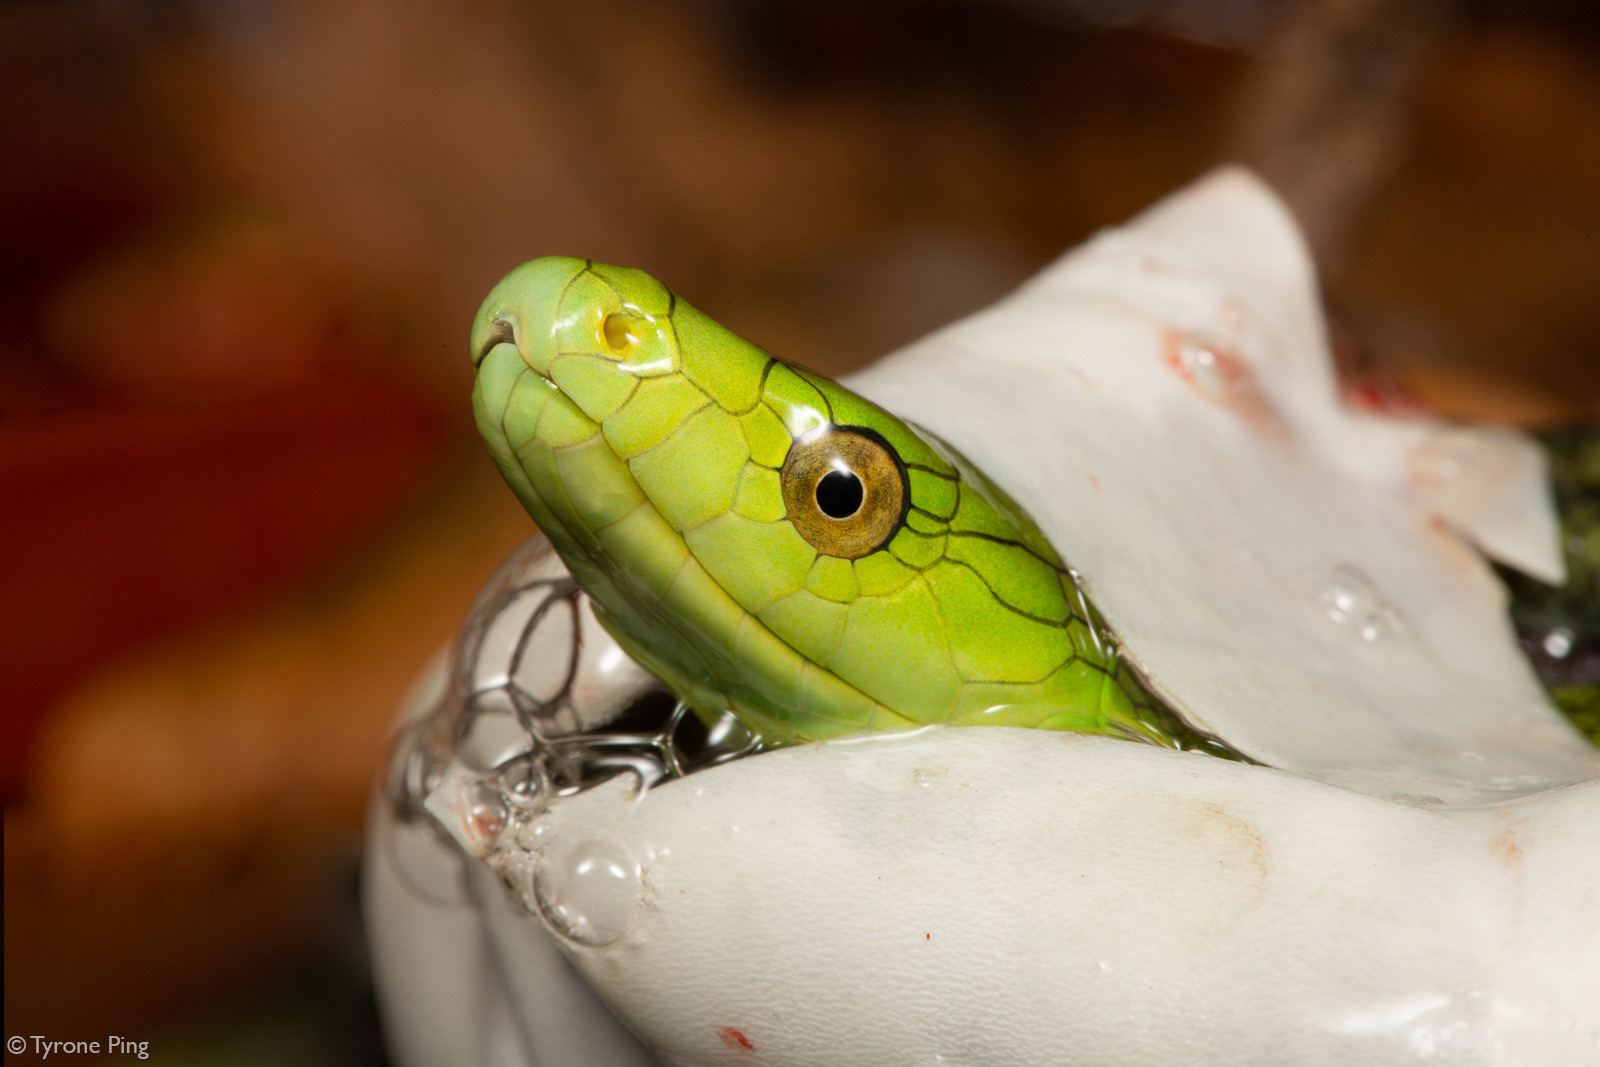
(243, 241)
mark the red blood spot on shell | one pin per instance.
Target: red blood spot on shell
(734, 1039)
(1367, 385)
(1221, 378)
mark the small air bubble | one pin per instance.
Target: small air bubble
(537, 833)
(485, 812)
(525, 782)
(1348, 595)
(1380, 624)
(1558, 643)
(588, 888)
(1349, 598)
(1204, 367)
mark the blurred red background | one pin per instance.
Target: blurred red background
(242, 243)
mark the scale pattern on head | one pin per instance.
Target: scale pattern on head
(766, 541)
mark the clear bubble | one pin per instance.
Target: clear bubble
(485, 812)
(525, 782)
(1204, 366)
(536, 834)
(1382, 623)
(416, 766)
(604, 673)
(588, 887)
(1348, 594)
(506, 741)
(1351, 599)
(731, 735)
(1558, 643)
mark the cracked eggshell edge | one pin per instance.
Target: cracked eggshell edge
(995, 896)
(1162, 401)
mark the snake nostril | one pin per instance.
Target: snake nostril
(500, 331)
(618, 332)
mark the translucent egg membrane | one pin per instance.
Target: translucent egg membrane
(540, 703)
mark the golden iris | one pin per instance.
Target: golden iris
(845, 490)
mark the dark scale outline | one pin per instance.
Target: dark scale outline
(1064, 626)
(761, 390)
(934, 515)
(595, 357)
(1115, 669)
(1108, 669)
(761, 402)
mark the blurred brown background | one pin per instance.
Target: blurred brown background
(243, 240)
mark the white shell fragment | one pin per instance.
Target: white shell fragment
(995, 897)
(1411, 878)
(1491, 484)
(1163, 402)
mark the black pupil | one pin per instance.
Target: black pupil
(839, 494)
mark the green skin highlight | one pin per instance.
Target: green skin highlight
(648, 443)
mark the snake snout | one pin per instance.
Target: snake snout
(522, 309)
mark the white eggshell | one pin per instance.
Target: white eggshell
(1162, 401)
(1416, 878)
(995, 896)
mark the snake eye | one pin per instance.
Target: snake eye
(844, 490)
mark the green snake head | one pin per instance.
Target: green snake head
(768, 542)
